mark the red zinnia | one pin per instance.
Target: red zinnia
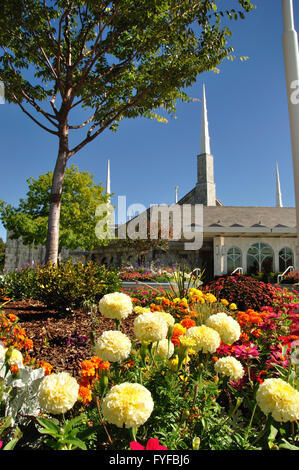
(152, 444)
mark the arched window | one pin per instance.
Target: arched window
(286, 259)
(260, 258)
(234, 259)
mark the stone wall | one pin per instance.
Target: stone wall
(18, 255)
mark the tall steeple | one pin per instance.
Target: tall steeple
(108, 187)
(278, 189)
(205, 137)
(205, 190)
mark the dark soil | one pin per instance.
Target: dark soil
(63, 340)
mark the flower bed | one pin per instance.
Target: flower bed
(193, 372)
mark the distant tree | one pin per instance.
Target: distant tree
(2, 254)
(80, 198)
(115, 59)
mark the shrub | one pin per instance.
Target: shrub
(245, 291)
(20, 284)
(69, 285)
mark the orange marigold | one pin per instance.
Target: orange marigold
(188, 323)
(105, 365)
(46, 366)
(88, 368)
(28, 344)
(85, 394)
(12, 317)
(14, 369)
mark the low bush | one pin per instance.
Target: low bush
(69, 285)
(245, 291)
(20, 284)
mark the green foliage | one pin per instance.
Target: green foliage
(69, 285)
(63, 436)
(20, 284)
(80, 198)
(121, 59)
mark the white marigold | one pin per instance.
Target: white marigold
(168, 317)
(113, 346)
(229, 366)
(127, 404)
(279, 398)
(163, 348)
(206, 339)
(2, 352)
(227, 327)
(150, 327)
(58, 393)
(116, 305)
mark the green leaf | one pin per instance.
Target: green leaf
(288, 446)
(48, 426)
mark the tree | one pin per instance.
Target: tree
(80, 198)
(116, 59)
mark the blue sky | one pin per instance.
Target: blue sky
(249, 131)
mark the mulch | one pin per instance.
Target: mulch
(63, 340)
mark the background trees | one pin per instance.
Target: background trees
(80, 198)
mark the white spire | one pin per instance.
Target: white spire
(108, 187)
(204, 138)
(176, 194)
(278, 189)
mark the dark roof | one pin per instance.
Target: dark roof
(234, 216)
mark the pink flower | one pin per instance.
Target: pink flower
(1, 444)
(152, 444)
(245, 352)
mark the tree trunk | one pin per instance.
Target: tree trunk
(52, 246)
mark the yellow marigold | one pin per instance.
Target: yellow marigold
(179, 329)
(279, 398)
(229, 366)
(113, 346)
(150, 327)
(193, 291)
(163, 348)
(127, 404)
(228, 328)
(116, 305)
(210, 298)
(174, 363)
(138, 309)
(233, 307)
(58, 393)
(224, 302)
(15, 358)
(186, 342)
(206, 339)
